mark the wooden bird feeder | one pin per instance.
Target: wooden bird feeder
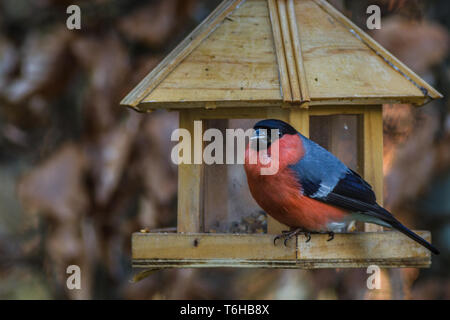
(300, 61)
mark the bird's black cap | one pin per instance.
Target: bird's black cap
(283, 127)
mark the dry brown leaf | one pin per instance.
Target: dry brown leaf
(142, 67)
(411, 41)
(108, 157)
(8, 62)
(107, 64)
(151, 24)
(398, 123)
(56, 188)
(155, 164)
(44, 63)
(407, 178)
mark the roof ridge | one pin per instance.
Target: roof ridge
(289, 51)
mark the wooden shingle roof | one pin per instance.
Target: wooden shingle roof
(278, 53)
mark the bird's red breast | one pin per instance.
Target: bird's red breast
(280, 194)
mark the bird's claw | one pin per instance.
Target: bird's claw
(308, 236)
(287, 235)
(283, 234)
(330, 236)
(275, 240)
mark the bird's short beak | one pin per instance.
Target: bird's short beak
(259, 140)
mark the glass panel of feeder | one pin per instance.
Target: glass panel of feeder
(228, 205)
(339, 134)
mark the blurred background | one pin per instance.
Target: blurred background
(79, 173)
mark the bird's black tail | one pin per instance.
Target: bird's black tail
(400, 227)
(415, 237)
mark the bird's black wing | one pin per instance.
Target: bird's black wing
(325, 178)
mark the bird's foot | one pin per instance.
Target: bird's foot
(286, 235)
(330, 236)
(329, 233)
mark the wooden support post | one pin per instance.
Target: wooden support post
(190, 183)
(373, 155)
(299, 119)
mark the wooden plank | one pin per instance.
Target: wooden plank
(378, 49)
(255, 104)
(351, 250)
(190, 185)
(236, 62)
(301, 73)
(373, 155)
(357, 99)
(279, 48)
(338, 110)
(231, 113)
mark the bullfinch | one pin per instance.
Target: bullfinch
(312, 191)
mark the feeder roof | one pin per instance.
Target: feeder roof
(278, 53)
